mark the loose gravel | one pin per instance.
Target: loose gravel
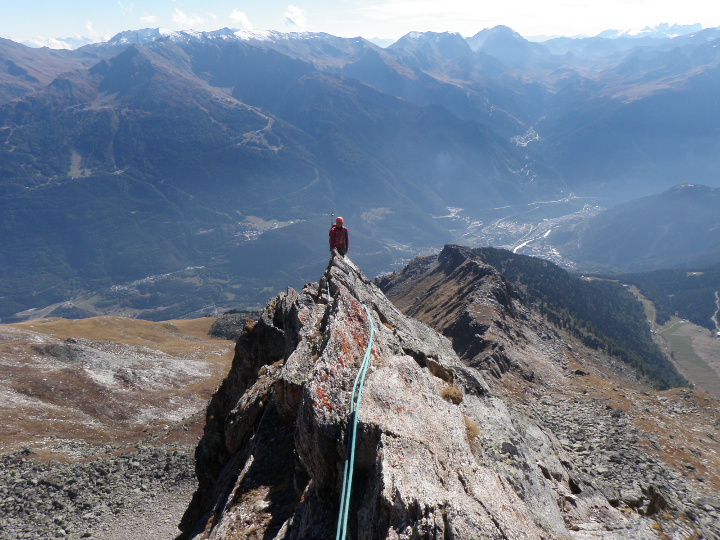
(133, 493)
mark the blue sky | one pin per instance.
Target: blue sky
(43, 21)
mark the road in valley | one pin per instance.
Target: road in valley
(524, 228)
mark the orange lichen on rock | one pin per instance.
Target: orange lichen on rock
(323, 399)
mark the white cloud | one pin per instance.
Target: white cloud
(295, 16)
(179, 17)
(528, 17)
(94, 36)
(70, 42)
(147, 18)
(126, 9)
(89, 27)
(239, 18)
(42, 41)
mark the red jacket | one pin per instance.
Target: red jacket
(339, 238)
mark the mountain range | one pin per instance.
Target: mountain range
(679, 228)
(169, 173)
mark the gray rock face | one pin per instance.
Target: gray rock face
(438, 456)
(610, 427)
(231, 325)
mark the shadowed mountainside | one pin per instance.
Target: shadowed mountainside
(678, 228)
(207, 149)
(204, 155)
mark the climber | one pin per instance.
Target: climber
(339, 238)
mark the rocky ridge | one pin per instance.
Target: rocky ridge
(644, 450)
(230, 325)
(440, 452)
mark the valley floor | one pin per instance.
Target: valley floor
(695, 351)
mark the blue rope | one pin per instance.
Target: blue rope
(354, 411)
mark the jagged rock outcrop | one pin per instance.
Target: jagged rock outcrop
(617, 435)
(438, 455)
(231, 325)
(466, 300)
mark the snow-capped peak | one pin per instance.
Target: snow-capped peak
(152, 35)
(431, 36)
(250, 35)
(661, 31)
(145, 35)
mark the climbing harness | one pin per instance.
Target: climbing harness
(350, 446)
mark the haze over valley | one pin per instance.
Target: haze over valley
(165, 174)
(533, 279)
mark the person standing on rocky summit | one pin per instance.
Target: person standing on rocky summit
(339, 238)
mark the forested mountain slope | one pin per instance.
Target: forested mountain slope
(162, 163)
(603, 314)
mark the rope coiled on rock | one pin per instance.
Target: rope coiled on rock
(350, 447)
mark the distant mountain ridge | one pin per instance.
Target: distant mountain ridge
(147, 35)
(661, 31)
(226, 151)
(678, 228)
(602, 314)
